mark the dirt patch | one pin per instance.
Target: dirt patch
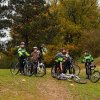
(52, 90)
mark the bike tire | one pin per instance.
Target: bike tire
(95, 77)
(79, 80)
(75, 69)
(40, 72)
(15, 68)
(28, 69)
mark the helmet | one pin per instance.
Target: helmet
(35, 47)
(22, 43)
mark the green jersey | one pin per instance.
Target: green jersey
(87, 57)
(59, 57)
(22, 51)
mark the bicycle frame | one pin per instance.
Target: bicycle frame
(25, 60)
(38, 65)
(70, 76)
(89, 64)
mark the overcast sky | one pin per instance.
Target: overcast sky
(99, 1)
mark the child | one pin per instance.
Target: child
(22, 54)
(87, 59)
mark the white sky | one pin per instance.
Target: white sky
(99, 2)
(7, 37)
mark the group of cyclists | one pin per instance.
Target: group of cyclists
(62, 56)
(35, 56)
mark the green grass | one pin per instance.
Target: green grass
(89, 91)
(14, 88)
(23, 88)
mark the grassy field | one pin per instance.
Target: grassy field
(46, 88)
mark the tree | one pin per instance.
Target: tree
(32, 22)
(27, 19)
(5, 23)
(75, 16)
(60, 22)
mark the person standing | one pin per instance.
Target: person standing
(87, 59)
(35, 55)
(22, 54)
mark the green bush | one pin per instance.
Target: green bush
(6, 60)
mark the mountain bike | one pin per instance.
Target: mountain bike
(59, 75)
(75, 69)
(73, 77)
(38, 69)
(28, 67)
(93, 75)
(26, 70)
(58, 70)
(15, 68)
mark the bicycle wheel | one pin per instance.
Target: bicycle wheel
(79, 80)
(28, 69)
(15, 68)
(95, 76)
(75, 69)
(40, 71)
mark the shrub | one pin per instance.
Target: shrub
(5, 60)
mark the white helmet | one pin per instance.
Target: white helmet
(35, 47)
(22, 43)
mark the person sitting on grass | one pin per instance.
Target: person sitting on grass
(87, 58)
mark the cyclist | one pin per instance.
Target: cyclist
(35, 55)
(87, 57)
(59, 58)
(67, 63)
(43, 50)
(22, 54)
